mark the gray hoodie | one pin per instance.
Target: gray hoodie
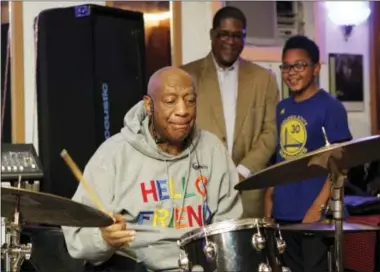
(161, 196)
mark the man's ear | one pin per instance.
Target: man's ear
(148, 105)
(211, 32)
(317, 69)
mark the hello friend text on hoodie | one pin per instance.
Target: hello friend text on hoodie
(163, 195)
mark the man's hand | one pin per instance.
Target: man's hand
(312, 215)
(117, 235)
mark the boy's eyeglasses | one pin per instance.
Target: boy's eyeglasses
(297, 67)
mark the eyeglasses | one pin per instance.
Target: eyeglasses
(225, 35)
(297, 67)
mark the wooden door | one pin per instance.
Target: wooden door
(157, 31)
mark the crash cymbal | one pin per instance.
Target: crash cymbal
(314, 164)
(42, 208)
(328, 228)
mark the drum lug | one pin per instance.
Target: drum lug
(258, 240)
(281, 244)
(264, 268)
(210, 251)
(183, 262)
(179, 244)
(27, 249)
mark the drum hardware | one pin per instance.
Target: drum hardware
(281, 244)
(330, 260)
(13, 252)
(210, 251)
(334, 160)
(264, 268)
(183, 261)
(327, 228)
(313, 164)
(326, 211)
(20, 167)
(338, 177)
(35, 207)
(258, 240)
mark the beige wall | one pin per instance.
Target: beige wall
(196, 22)
(197, 19)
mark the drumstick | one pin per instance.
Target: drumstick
(91, 192)
(78, 175)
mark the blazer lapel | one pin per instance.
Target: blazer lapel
(210, 87)
(244, 97)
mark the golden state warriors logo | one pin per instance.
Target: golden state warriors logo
(293, 137)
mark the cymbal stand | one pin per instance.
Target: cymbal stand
(12, 251)
(338, 178)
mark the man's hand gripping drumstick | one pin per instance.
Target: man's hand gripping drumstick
(117, 235)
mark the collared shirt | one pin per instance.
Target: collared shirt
(228, 86)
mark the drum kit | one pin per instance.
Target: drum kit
(251, 244)
(257, 244)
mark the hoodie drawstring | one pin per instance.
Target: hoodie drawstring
(185, 187)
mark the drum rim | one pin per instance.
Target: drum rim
(224, 226)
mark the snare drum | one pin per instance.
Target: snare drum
(233, 245)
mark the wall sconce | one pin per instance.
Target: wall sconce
(153, 19)
(348, 14)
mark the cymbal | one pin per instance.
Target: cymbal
(328, 228)
(43, 208)
(314, 164)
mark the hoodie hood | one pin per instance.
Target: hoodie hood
(136, 131)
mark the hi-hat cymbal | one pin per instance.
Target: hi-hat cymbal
(328, 228)
(314, 164)
(42, 208)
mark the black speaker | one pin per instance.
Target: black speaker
(90, 72)
(6, 118)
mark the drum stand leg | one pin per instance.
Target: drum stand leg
(12, 252)
(330, 258)
(338, 179)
